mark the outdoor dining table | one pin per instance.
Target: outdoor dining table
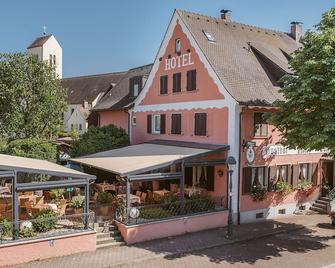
(103, 187)
(133, 198)
(161, 193)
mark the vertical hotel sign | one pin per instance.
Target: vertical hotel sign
(178, 61)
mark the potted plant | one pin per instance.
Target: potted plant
(56, 194)
(259, 192)
(305, 187)
(77, 202)
(104, 199)
(283, 187)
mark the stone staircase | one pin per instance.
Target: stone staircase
(108, 235)
(320, 205)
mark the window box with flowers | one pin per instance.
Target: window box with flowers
(259, 192)
(305, 186)
(283, 187)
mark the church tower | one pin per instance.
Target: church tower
(48, 49)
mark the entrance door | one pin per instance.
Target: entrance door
(329, 174)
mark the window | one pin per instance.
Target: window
(260, 125)
(164, 84)
(283, 173)
(176, 124)
(254, 176)
(133, 121)
(209, 36)
(156, 124)
(50, 60)
(71, 126)
(80, 127)
(259, 215)
(303, 171)
(177, 46)
(72, 110)
(191, 80)
(176, 82)
(54, 60)
(135, 85)
(200, 124)
(200, 176)
(282, 211)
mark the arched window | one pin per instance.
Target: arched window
(177, 46)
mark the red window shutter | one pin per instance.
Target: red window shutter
(247, 180)
(149, 122)
(176, 124)
(295, 176)
(164, 84)
(200, 124)
(163, 123)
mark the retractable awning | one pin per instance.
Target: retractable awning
(30, 165)
(136, 159)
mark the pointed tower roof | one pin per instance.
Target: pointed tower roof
(40, 41)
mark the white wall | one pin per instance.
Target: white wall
(74, 119)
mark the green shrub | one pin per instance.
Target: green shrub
(57, 194)
(27, 232)
(5, 227)
(100, 139)
(104, 198)
(78, 201)
(44, 221)
(259, 192)
(154, 213)
(304, 185)
(283, 187)
(33, 148)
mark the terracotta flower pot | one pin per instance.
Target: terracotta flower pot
(78, 210)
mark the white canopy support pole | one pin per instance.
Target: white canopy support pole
(87, 203)
(15, 218)
(182, 180)
(127, 201)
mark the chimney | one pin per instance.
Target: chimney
(296, 30)
(225, 15)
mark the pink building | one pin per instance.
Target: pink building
(212, 81)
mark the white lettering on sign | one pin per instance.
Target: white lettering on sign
(178, 61)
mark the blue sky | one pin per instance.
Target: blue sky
(100, 36)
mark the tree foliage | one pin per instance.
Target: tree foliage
(306, 118)
(32, 148)
(100, 139)
(31, 99)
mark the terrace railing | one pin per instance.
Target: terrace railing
(182, 208)
(45, 227)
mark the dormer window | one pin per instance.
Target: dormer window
(177, 46)
(209, 36)
(135, 86)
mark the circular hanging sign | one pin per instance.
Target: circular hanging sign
(250, 155)
(134, 213)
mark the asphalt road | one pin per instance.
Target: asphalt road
(314, 247)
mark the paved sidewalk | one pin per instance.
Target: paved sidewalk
(174, 246)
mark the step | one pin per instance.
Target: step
(108, 234)
(320, 210)
(112, 244)
(318, 205)
(105, 229)
(327, 199)
(107, 240)
(321, 202)
(102, 224)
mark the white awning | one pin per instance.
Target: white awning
(139, 158)
(30, 165)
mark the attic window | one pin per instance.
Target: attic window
(209, 36)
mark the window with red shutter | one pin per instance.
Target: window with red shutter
(191, 80)
(149, 123)
(176, 82)
(176, 124)
(164, 84)
(163, 123)
(200, 124)
(247, 180)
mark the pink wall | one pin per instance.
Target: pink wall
(217, 128)
(274, 199)
(173, 227)
(206, 87)
(22, 252)
(118, 118)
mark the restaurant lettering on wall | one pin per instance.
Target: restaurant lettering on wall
(178, 61)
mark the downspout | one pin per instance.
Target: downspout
(129, 124)
(239, 170)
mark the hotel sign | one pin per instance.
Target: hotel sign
(178, 61)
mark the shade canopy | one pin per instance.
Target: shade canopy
(136, 159)
(37, 166)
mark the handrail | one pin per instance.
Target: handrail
(331, 194)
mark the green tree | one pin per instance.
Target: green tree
(32, 148)
(100, 139)
(31, 99)
(306, 118)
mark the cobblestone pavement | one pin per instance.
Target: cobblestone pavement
(301, 235)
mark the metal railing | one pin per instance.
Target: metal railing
(331, 194)
(45, 227)
(181, 208)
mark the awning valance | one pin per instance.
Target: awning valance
(136, 159)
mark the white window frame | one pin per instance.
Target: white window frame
(155, 130)
(135, 90)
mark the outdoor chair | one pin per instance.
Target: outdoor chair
(29, 208)
(9, 186)
(138, 193)
(143, 198)
(39, 201)
(23, 202)
(150, 197)
(62, 210)
(62, 202)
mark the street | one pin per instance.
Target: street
(308, 248)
